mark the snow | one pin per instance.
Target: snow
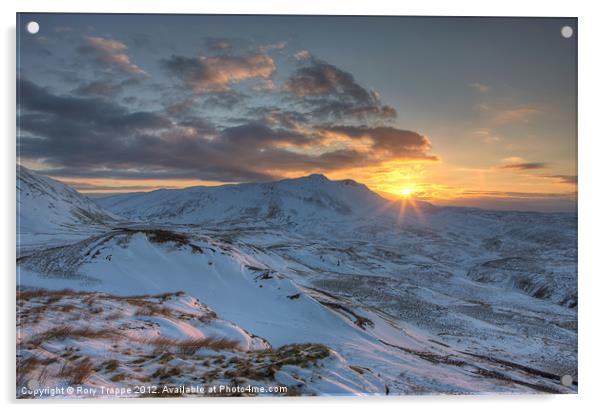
(130, 350)
(413, 301)
(52, 213)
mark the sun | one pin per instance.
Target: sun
(406, 192)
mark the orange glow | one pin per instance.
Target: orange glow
(406, 192)
(400, 180)
(102, 185)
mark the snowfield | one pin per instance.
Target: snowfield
(358, 294)
(52, 213)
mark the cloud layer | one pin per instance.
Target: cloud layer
(97, 137)
(225, 113)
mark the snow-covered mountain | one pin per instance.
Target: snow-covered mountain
(47, 208)
(394, 298)
(294, 201)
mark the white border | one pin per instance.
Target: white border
(590, 199)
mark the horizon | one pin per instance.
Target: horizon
(447, 120)
(495, 205)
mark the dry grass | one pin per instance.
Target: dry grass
(164, 236)
(161, 236)
(28, 365)
(77, 371)
(360, 321)
(26, 368)
(158, 235)
(53, 295)
(61, 333)
(111, 365)
(190, 346)
(118, 378)
(153, 310)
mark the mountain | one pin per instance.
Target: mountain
(48, 210)
(289, 201)
(401, 298)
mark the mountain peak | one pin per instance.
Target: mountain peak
(317, 177)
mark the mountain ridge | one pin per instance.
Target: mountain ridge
(294, 200)
(44, 202)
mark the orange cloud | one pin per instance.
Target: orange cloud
(217, 73)
(111, 52)
(517, 114)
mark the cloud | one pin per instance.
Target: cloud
(323, 78)
(568, 179)
(94, 137)
(487, 135)
(302, 55)
(180, 108)
(514, 159)
(265, 85)
(525, 166)
(66, 129)
(261, 136)
(218, 43)
(515, 195)
(85, 186)
(218, 73)
(278, 117)
(331, 92)
(385, 142)
(99, 88)
(517, 114)
(111, 53)
(273, 46)
(225, 100)
(94, 112)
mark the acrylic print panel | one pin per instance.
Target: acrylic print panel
(295, 205)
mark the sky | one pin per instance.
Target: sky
(456, 111)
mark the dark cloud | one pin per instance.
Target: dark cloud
(525, 166)
(67, 129)
(93, 113)
(225, 100)
(180, 108)
(99, 88)
(90, 186)
(94, 137)
(261, 136)
(385, 141)
(275, 116)
(218, 73)
(332, 92)
(201, 127)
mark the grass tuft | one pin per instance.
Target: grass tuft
(77, 371)
(190, 346)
